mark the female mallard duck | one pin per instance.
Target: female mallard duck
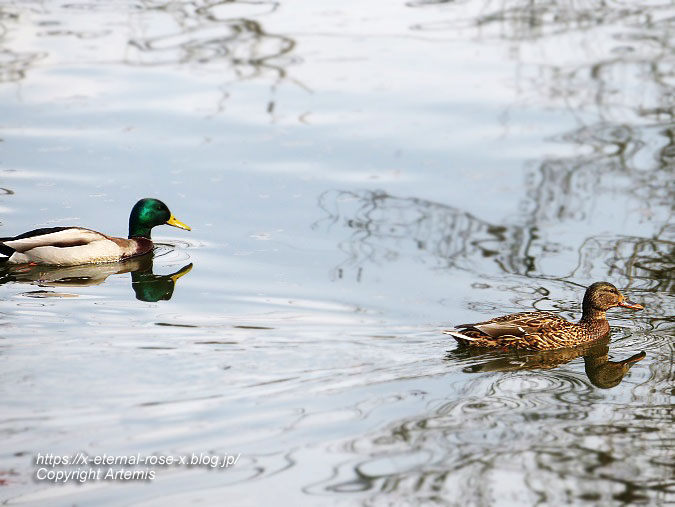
(70, 246)
(544, 330)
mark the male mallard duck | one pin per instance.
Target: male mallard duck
(544, 330)
(70, 246)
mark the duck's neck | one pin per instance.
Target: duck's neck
(138, 230)
(591, 315)
(595, 320)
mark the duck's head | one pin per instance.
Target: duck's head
(601, 296)
(148, 213)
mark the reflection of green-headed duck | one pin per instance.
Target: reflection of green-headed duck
(152, 288)
(146, 284)
(70, 246)
(544, 330)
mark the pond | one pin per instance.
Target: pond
(357, 176)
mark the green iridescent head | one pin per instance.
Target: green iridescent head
(146, 214)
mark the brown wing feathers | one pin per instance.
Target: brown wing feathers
(520, 330)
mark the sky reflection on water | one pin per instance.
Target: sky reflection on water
(357, 176)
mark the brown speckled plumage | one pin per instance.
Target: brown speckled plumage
(544, 330)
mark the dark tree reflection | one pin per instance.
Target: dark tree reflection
(383, 227)
(617, 164)
(209, 32)
(622, 94)
(219, 36)
(630, 71)
(13, 64)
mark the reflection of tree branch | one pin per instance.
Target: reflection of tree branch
(629, 72)
(201, 32)
(242, 42)
(383, 227)
(566, 185)
(13, 64)
(645, 261)
(204, 35)
(205, 38)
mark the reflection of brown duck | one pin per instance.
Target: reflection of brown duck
(544, 330)
(147, 286)
(602, 372)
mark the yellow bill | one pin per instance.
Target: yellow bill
(181, 272)
(177, 223)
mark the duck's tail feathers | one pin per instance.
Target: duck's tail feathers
(4, 249)
(457, 335)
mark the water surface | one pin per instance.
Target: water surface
(357, 177)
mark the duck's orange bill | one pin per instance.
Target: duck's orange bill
(630, 304)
